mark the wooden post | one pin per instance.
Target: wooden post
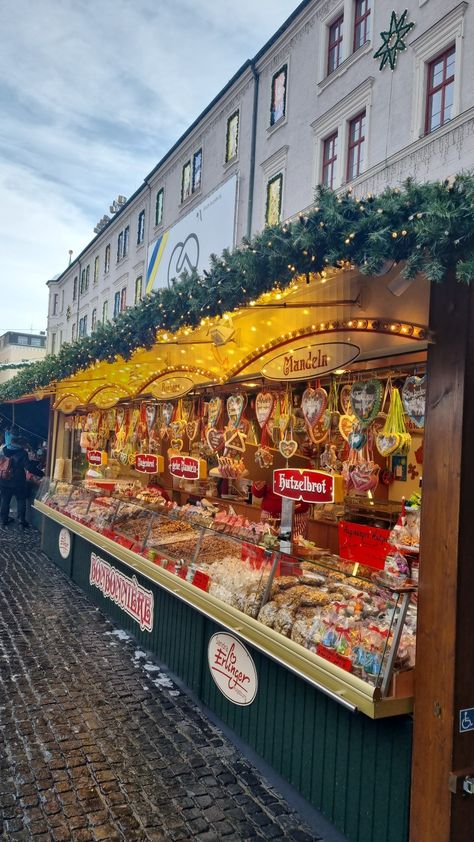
(442, 755)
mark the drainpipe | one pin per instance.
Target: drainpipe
(253, 144)
(78, 298)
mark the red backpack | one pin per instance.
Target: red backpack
(7, 467)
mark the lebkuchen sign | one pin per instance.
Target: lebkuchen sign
(149, 463)
(187, 467)
(308, 485)
(97, 457)
(308, 361)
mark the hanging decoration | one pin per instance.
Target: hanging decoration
(264, 407)
(393, 40)
(414, 399)
(394, 437)
(313, 405)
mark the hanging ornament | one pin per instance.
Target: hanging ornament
(264, 403)
(346, 425)
(167, 412)
(414, 399)
(235, 407)
(393, 40)
(214, 409)
(345, 399)
(215, 439)
(394, 437)
(313, 404)
(366, 400)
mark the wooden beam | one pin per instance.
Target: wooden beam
(445, 663)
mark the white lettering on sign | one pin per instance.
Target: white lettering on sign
(64, 543)
(307, 484)
(131, 597)
(305, 361)
(304, 484)
(232, 668)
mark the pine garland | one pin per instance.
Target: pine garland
(428, 226)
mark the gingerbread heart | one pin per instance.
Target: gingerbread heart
(345, 398)
(235, 440)
(215, 439)
(119, 416)
(318, 433)
(357, 438)
(346, 425)
(177, 428)
(150, 413)
(167, 410)
(387, 443)
(414, 399)
(164, 432)
(313, 403)
(235, 407)
(288, 448)
(366, 400)
(379, 423)
(264, 403)
(176, 444)
(214, 409)
(192, 429)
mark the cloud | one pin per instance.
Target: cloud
(92, 95)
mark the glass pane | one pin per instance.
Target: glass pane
(437, 73)
(278, 96)
(451, 64)
(448, 101)
(435, 111)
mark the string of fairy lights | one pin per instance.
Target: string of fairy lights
(429, 227)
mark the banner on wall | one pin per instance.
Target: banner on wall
(187, 245)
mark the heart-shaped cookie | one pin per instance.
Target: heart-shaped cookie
(414, 399)
(379, 423)
(387, 443)
(235, 440)
(167, 410)
(215, 439)
(313, 403)
(318, 433)
(288, 448)
(150, 414)
(345, 399)
(192, 429)
(177, 428)
(164, 432)
(235, 407)
(119, 416)
(264, 403)
(366, 400)
(346, 425)
(214, 409)
(357, 438)
(176, 444)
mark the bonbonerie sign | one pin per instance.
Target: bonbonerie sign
(307, 485)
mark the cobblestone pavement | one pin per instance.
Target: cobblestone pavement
(96, 742)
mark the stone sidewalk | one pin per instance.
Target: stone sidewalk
(96, 741)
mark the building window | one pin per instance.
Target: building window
(274, 197)
(74, 332)
(53, 343)
(96, 269)
(123, 299)
(22, 340)
(232, 137)
(105, 312)
(88, 272)
(356, 146)
(74, 289)
(278, 100)
(82, 327)
(94, 320)
(120, 246)
(141, 227)
(36, 342)
(107, 259)
(197, 170)
(60, 340)
(62, 300)
(186, 181)
(159, 207)
(126, 239)
(440, 92)
(329, 160)
(335, 44)
(55, 303)
(138, 289)
(116, 304)
(361, 23)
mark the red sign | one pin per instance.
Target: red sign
(364, 544)
(334, 657)
(305, 484)
(147, 463)
(94, 457)
(186, 467)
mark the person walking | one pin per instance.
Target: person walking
(15, 484)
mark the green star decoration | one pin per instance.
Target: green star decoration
(393, 41)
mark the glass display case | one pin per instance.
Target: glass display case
(340, 611)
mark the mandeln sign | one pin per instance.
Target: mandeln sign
(304, 484)
(131, 597)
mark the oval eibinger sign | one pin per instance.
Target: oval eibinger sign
(307, 361)
(64, 543)
(232, 668)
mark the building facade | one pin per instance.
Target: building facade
(19, 348)
(312, 107)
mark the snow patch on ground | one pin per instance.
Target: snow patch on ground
(163, 681)
(151, 668)
(120, 633)
(139, 654)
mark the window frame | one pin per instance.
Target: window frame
(196, 185)
(94, 319)
(126, 240)
(431, 91)
(107, 259)
(274, 121)
(55, 303)
(331, 163)
(183, 168)
(53, 343)
(278, 177)
(361, 20)
(105, 311)
(123, 299)
(141, 227)
(119, 246)
(116, 303)
(159, 206)
(138, 286)
(74, 287)
(337, 44)
(361, 118)
(229, 159)
(96, 269)
(74, 332)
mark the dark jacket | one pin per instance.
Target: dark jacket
(21, 464)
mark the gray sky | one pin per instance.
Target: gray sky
(92, 94)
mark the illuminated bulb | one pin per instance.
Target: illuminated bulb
(404, 233)
(278, 296)
(394, 235)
